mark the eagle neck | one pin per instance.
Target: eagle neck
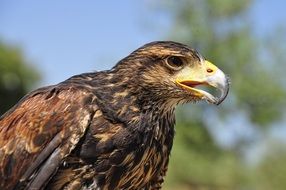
(123, 99)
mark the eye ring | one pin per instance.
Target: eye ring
(175, 62)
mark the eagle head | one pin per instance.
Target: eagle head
(170, 73)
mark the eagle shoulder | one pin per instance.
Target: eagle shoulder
(43, 128)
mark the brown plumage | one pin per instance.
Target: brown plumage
(105, 130)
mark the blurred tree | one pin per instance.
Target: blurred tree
(270, 174)
(222, 31)
(16, 76)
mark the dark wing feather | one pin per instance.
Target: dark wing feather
(39, 132)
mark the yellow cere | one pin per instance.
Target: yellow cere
(211, 66)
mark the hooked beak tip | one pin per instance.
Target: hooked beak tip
(224, 91)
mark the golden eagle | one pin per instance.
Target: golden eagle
(105, 130)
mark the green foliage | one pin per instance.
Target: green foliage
(222, 31)
(198, 162)
(271, 172)
(16, 76)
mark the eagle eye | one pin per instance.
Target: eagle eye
(175, 62)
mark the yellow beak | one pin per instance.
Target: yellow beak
(204, 73)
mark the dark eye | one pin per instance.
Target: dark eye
(175, 62)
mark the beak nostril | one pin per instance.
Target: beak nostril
(209, 70)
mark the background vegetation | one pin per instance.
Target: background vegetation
(16, 76)
(235, 145)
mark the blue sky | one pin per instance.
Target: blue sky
(63, 38)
